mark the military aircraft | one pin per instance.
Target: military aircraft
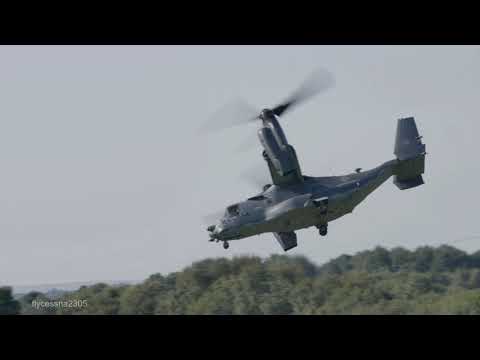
(295, 201)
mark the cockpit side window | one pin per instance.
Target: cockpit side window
(258, 198)
(233, 210)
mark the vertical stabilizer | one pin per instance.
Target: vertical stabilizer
(410, 153)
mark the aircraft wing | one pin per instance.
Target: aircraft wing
(294, 176)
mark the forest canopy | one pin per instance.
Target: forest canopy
(442, 280)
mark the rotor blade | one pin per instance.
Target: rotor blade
(317, 82)
(234, 113)
(251, 142)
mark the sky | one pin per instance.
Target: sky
(106, 177)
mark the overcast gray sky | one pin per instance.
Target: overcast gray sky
(104, 176)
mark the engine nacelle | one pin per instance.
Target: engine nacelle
(279, 155)
(277, 132)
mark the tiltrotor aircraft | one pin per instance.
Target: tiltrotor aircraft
(294, 201)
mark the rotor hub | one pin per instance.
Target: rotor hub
(267, 114)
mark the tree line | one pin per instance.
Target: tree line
(441, 280)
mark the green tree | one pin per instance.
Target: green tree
(447, 258)
(401, 259)
(8, 305)
(101, 299)
(423, 259)
(27, 304)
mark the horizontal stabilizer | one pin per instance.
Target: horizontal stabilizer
(409, 183)
(287, 240)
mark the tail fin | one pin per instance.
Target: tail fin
(410, 153)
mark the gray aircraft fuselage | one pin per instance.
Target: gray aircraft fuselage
(289, 208)
(295, 201)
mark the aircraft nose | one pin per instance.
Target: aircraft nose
(214, 231)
